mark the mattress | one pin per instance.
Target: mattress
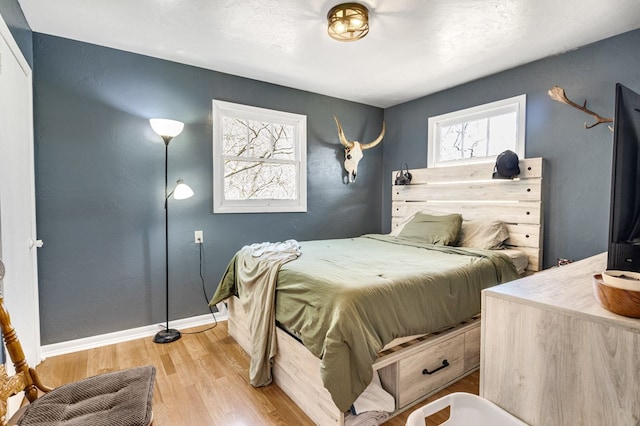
(519, 259)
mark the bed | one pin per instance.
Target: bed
(393, 329)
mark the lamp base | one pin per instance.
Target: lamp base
(167, 336)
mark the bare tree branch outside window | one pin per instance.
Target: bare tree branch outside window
(259, 159)
(478, 133)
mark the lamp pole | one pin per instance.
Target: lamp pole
(167, 130)
(167, 335)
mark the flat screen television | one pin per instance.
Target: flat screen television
(624, 220)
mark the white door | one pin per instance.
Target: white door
(17, 196)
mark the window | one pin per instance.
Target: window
(477, 134)
(259, 160)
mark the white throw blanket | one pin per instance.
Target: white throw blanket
(369, 418)
(257, 274)
(372, 407)
(374, 398)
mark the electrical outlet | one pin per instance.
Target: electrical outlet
(198, 237)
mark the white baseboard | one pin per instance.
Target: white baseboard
(125, 335)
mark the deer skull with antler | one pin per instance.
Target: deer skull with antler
(353, 150)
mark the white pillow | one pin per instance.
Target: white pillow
(483, 234)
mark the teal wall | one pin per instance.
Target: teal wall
(100, 184)
(577, 160)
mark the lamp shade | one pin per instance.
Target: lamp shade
(182, 191)
(166, 128)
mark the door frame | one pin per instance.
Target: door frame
(31, 344)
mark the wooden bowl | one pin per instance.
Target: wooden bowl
(617, 300)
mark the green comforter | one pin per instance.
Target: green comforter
(345, 299)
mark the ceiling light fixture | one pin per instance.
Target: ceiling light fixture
(348, 22)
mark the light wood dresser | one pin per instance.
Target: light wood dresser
(551, 355)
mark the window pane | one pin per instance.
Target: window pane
(247, 180)
(504, 132)
(257, 139)
(477, 134)
(451, 143)
(259, 159)
(234, 136)
(475, 138)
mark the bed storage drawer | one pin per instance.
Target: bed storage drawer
(427, 370)
(401, 368)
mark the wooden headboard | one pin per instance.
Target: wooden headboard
(470, 191)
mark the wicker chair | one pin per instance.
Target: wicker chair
(121, 398)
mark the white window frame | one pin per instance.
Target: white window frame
(223, 109)
(492, 109)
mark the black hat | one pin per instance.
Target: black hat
(507, 165)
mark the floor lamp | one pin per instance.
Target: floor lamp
(167, 130)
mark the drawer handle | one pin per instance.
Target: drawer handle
(445, 364)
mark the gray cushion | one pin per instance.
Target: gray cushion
(433, 229)
(122, 398)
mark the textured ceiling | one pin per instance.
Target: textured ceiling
(414, 47)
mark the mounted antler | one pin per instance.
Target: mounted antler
(557, 94)
(353, 150)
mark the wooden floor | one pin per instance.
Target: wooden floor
(202, 379)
